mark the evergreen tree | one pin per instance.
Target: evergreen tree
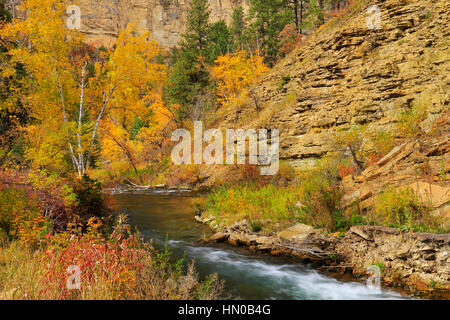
(189, 75)
(315, 14)
(220, 40)
(197, 27)
(299, 9)
(238, 28)
(268, 18)
(189, 81)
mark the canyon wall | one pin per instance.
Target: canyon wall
(101, 20)
(347, 73)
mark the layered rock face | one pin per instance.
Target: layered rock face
(355, 75)
(102, 20)
(348, 74)
(417, 262)
(422, 165)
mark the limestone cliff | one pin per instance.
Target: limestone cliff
(102, 20)
(348, 74)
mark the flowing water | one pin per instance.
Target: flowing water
(162, 215)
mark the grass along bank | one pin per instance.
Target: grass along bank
(315, 198)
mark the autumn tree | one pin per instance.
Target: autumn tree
(234, 74)
(13, 114)
(75, 93)
(220, 39)
(314, 15)
(289, 38)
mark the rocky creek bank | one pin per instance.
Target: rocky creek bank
(418, 263)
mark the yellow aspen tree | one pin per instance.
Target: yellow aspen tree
(234, 74)
(68, 81)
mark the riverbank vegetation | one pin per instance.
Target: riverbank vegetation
(66, 109)
(273, 208)
(51, 227)
(316, 196)
(114, 264)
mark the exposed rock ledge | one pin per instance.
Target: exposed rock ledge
(418, 263)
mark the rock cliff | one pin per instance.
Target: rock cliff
(101, 20)
(422, 165)
(347, 74)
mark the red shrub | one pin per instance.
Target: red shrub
(374, 158)
(344, 171)
(113, 260)
(289, 38)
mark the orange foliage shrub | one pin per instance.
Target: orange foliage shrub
(341, 11)
(374, 158)
(289, 38)
(344, 171)
(114, 260)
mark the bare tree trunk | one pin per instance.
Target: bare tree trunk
(297, 23)
(75, 162)
(94, 133)
(301, 16)
(127, 152)
(322, 19)
(80, 119)
(355, 159)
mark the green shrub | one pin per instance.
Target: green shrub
(400, 207)
(284, 81)
(320, 194)
(229, 204)
(315, 200)
(409, 121)
(90, 197)
(382, 141)
(256, 225)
